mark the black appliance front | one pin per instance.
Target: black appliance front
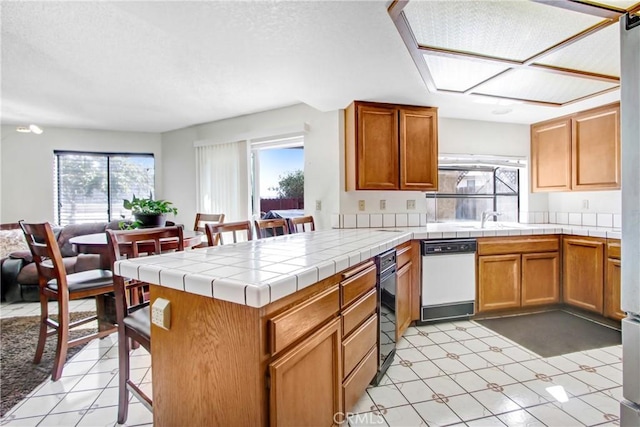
(386, 263)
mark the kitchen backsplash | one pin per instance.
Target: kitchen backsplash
(382, 220)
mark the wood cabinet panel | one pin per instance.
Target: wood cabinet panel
(293, 324)
(540, 278)
(613, 248)
(498, 282)
(612, 291)
(416, 280)
(359, 312)
(418, 149)
(306, 382)
(551, 156)
(355, 286)
(583, 273)
(403, 300)
(596, 149)
(377, 147)
(356, 384)
(511, 245)
(358, 344)
(403, 254)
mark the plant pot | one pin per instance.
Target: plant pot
(151, 220)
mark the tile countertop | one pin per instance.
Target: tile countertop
(258, 272)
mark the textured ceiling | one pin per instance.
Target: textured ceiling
(159, 66)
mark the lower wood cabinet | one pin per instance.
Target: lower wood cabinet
(540, 278)
(518, 272)
(583, 272)
(612, 282)
(306, 382)
(403, 299)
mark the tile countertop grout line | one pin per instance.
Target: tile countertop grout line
(348, 247)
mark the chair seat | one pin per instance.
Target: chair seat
(140, 321)
(85, 280)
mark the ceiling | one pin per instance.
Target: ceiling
(159, 66)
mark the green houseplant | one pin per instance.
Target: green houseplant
(149, 212)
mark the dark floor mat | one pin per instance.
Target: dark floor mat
(553, 333)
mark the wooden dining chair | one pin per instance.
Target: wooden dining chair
(271, 227)
(215, 231)
(204, 218)
(302, 224)
(134, 317)
(55, 283)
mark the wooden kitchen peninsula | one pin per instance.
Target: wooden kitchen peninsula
(256, 334)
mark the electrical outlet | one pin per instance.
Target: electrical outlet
(318, 205)
(361, 205)
(585, 204)
(411, 204)
(161, 313)
(383, 205)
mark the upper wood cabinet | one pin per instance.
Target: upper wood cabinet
(577, 152)
(391, 147)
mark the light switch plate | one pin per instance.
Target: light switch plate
(411, 204)
(361, 205)
(161, 313)
(318, 205)
(383, 205)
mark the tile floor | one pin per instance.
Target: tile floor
(457, 373)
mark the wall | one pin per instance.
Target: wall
(455, 136)
(321, 157)
(27, 165)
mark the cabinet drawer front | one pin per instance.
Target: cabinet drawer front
(354, 387)
(358, 344)
(498, 246)
(357, 285)
(613, 249)
(358, 312)
(296, 322)
(403, 255)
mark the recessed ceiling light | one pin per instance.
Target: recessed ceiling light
(30, 129)
(23, 129)
(500, 111)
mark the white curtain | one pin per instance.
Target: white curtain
(222, 172)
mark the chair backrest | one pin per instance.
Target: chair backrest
(215, 231)
(150, 241)
(271, 227)
(46, 253)
(203, 218)
(302, 224)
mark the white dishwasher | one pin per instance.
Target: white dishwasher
(448, 288)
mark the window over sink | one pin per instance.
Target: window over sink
(465, 192)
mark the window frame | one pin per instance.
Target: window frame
(101, 154)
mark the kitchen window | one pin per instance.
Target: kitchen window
(465, 192)
(90, 187)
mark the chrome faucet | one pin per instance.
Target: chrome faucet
(488, 214)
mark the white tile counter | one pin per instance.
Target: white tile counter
(262, 271)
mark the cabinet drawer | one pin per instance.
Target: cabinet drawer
(358, 344)
(358, 312)
(613, 249)
(289, 326)
(354, 387)
(358, 284)
(499, 246)
(403, 254)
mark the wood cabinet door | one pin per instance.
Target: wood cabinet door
(583, 273)
(306, 382)
(403, 299)
(377, 141)
(498, 282)
(540, 278)
(419, 149)
(596, 149)
(612, 291)
(551, 156)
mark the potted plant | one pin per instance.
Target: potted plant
(149, 212)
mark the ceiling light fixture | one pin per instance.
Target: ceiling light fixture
(501, 111)
(30, 129)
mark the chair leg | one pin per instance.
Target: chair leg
(123, 375)
(42, 336)
(63, 340)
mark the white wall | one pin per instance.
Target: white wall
(455, 136)
(27, 165)
(321, 156)
(598, 201)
